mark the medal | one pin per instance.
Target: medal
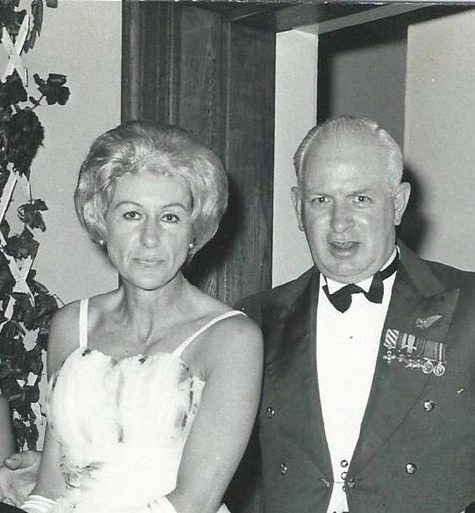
(415, 352)
(427, 367)
(439, 369)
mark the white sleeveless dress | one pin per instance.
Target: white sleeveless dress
(122, 424)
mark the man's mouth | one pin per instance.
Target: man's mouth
(344, 245)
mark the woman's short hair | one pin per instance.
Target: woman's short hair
(340, 126)
(138, 146)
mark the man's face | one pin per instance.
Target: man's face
(346, 208)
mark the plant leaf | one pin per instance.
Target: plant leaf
(30, 213)
(53, 89)
(22, 246)
(7, 282)
(37, 21)
(12, 91)
(25, 135)
(24, 311)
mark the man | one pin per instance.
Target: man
(368, 402)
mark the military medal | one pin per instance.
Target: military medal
(415, 352)
(427, 367)
(439, 369)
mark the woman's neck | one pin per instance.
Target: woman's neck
(149, 313)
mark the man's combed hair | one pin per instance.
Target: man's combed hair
(139, 146)
(341, 126)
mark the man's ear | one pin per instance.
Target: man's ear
(297, 203)
(401, 199)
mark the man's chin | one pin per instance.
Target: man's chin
(346, 273)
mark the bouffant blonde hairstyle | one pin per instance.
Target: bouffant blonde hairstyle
(139, 146)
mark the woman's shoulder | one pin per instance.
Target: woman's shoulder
(233, 343)
(230, 331)
(64, 330)
(224, 319)
(63, 320)
(63, 335)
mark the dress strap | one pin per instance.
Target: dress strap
(181, 348)
(83, 311)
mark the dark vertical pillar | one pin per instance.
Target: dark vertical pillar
(196, 69)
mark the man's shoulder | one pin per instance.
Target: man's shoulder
(278, 297)
(424, 271)
(452, 276)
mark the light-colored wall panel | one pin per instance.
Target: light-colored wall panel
(439, 143)
(295, 114)
(81, 39)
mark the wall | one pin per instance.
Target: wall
(439, 143)
(295, 114)
(361, 71)
(83, 41)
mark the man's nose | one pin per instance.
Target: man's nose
(150, 233)
(341, 218)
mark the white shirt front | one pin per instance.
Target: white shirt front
(347, 348)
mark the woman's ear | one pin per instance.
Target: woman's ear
(89, 213)
(96, 223)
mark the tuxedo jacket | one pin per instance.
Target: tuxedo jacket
(416, 449)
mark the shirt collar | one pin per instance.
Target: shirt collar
(334, 285)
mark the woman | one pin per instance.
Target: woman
(154, 385)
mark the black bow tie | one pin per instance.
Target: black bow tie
(341, 299)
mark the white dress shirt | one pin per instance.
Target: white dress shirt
(347, 348)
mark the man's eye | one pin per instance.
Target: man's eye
(361, 198)
(319, 199)
(132, 215)
(170, 218)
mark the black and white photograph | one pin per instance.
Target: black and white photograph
(237, 256)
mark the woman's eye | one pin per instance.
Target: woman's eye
(170, 218)
(132, 215)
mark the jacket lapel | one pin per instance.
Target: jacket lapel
(420, 306)
(291, 367)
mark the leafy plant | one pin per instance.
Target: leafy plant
(25, 308)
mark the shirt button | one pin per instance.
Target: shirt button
(283, 469)
(344, 463)
(429, 405)
(411, 468)
(270, 412)
(343, 475)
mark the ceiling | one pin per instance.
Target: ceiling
(317, 15)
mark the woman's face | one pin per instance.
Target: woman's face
(149, 228)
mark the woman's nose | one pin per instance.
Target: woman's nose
(150, 233)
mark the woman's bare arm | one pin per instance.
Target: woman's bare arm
(63, 339)
(225, 418)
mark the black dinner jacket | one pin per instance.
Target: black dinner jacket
(416, 449)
